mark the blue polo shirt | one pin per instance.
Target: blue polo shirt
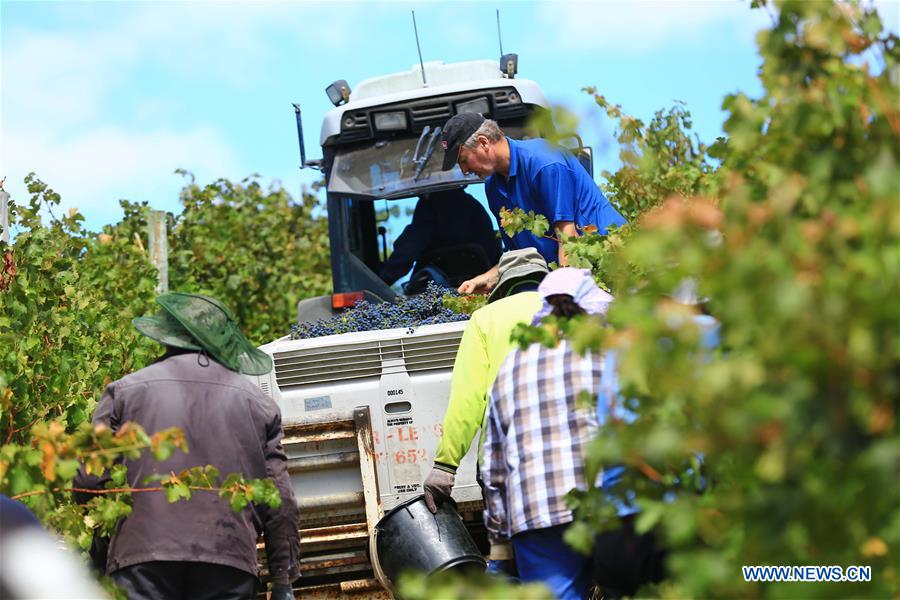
(551, 182)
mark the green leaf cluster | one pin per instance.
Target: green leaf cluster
(255, 248)
(65, 310)
(516, 220)
(417, 586)
(790, 228)
(464, 304)
(67, 297)
(40, 475)
(239, 492)
(42, 472)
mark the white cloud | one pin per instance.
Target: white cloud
(62, 90)
(66, 76)
(641, 26)
(59, 79)
(644, 26)
(94, 170)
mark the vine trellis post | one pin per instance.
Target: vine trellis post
(159, 248)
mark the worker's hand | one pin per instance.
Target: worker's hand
(565, 228)
(438, 486)
(469, 286)
(281, 591)
(466, 287)
(482, 284)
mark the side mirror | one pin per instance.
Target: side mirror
(338, 92)
(585, 156)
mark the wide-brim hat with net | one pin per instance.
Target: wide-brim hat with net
(165, 329)
(517, 267)
(214, 328)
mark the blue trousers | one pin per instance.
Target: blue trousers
(542, 555)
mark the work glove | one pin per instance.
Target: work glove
(438, 486)
(281, 591)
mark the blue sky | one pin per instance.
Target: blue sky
(105, 100)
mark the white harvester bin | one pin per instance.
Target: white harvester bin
(402, 375)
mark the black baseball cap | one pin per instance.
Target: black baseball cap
(458, 129)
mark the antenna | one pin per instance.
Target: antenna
(499, 39)
(509, 63)
(419, 48)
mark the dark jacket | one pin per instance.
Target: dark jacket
(441, 220)
(230, 424)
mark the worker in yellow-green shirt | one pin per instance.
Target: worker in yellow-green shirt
(484, 345)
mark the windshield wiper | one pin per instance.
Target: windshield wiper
(429, 150)
(422, 137)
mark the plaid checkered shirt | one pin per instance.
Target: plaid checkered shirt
(536, 438)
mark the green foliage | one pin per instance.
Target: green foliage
(464, 304)
(41, 473)
(255, 249)
(558, 125)
(67, 297)
(793, 237)
(474, 586)
(65, 311)
(238, 492)
(659, 160)
(516, 220)
(584, 331)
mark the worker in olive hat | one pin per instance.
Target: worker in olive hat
(200, 548)
(485, 343)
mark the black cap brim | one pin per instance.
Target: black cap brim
(451, 157)
(457, 130)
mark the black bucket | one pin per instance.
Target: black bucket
(410, 538)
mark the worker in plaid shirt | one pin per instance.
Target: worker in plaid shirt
(536, 440)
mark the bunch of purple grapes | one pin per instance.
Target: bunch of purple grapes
(407, 312)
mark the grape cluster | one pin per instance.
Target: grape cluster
(410, 312)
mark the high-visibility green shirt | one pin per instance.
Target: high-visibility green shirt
(484, 345)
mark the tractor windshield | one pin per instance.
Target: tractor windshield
(386, 168)
(392, 168)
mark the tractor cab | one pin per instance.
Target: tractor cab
(381, 142)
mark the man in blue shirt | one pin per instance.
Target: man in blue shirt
(531, 175)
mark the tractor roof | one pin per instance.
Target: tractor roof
(442, 79)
